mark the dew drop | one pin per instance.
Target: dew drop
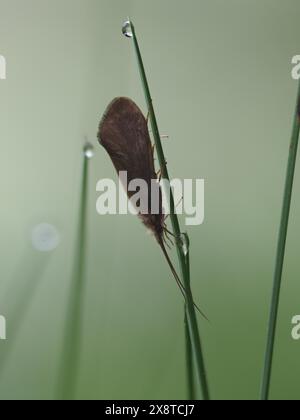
(185, 244)
(45, 237)
(127, 30)
(88, 151)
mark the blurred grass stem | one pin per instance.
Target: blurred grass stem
(72, 338)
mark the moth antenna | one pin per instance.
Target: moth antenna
(178, 281)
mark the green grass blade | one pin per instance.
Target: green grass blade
(190, 308)
(269, 355)
(189, 361)
(68, 374)
(188, 342)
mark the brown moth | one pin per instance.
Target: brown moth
(124, 134)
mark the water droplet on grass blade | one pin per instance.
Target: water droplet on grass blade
(45, 237)
(185, 244)
(88, 151)
(127, 29)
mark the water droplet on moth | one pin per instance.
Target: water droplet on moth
(127, 30)
(185, 244)
(45, 237)
(88, 151)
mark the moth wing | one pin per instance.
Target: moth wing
(123, 132)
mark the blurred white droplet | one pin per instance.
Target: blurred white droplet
(185, 244)
(88, 151)
(45, 237)
(127, 30)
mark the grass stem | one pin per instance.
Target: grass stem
(72, 338)
(190, 308)
(269, 355)
(189, 361)
(188, 342)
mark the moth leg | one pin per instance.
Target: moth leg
(168, 232)
(179, 202)
(167, 236)
(163, 136)
(153, 149)
(168, 215)
(158, 175)
(166, 243)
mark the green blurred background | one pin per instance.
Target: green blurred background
(220, 75)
